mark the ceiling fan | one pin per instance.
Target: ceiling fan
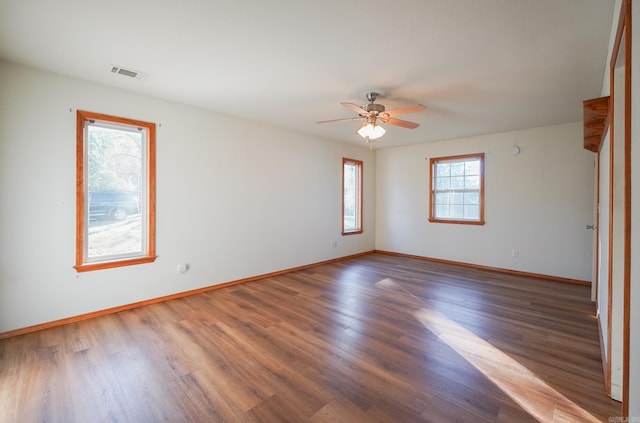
(373, 114)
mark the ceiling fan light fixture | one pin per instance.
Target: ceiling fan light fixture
(371, 131)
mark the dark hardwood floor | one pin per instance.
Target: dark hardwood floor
(373, 339)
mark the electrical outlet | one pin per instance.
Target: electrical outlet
(515, 253)
(183, 268)
(334, 244)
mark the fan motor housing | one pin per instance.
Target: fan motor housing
(373, 107)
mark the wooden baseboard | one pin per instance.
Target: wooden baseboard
(494, 269)
(73, 319)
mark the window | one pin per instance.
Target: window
(351, 196)
(457, 189)
(115, 191)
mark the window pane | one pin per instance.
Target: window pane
(472, 167)
(457, 182)
(456, 212)
(442, 198)
(352, 196)
(471, 212)
(442, 169)
(457, 169)
(349, 196)
(471, 198)
(115, 224)
(457, 197)
(442, 184)
(115, 179)
(442, 211)
(472, 182)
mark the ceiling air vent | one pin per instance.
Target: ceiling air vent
(127, 72)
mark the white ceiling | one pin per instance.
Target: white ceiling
(480, 66)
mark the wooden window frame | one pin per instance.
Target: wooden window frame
(432, 163)
(147, 256)
(360, 168)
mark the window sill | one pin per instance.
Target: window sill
(460, 222)
(352, 233)
(87, 267)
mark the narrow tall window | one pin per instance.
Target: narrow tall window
(115, 191)
(457, 189)
(351, 196)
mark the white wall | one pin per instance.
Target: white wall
(234, 199)
(538, 202)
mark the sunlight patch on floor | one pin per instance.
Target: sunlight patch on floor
(530, 392)
(526, 389)
(386, 283)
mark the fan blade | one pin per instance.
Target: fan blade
(406, 110)
(400, 122)
(355, 108)
(340, 120)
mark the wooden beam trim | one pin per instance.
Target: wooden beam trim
(595, 122)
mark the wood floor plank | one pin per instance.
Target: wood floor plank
(377, 338)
